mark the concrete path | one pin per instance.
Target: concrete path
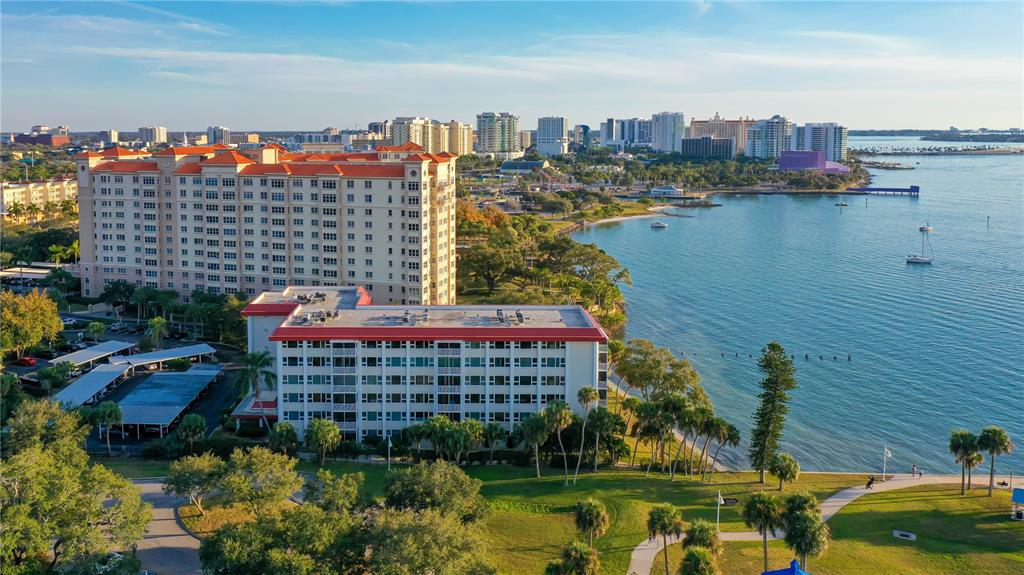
(166, 547)
(642, 559)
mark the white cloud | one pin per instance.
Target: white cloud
(886, 42)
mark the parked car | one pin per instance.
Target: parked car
(48, 353)
(25, 361)
(69, 321)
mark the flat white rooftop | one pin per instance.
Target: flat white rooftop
(96, 352)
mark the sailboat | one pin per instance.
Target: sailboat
(927, 227)
(922, 258)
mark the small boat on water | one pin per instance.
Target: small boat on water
(842, 204)
(923, 258)
(659, 225)
(926, 228)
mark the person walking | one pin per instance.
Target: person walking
(913, 470)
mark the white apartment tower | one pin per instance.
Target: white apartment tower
(376, 369)
(206, 217)
(460, 138)
(218, 135)
(552, 136)
(153, 134)
(767, 139)
(497, 133)
(830, 138)
(667, 131)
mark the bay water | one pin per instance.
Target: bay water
(887, 354)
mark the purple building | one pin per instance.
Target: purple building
(798, 161)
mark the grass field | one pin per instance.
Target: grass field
(955, 536)
(134, 468)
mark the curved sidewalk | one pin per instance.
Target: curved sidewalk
(642, 559)
(166, 547)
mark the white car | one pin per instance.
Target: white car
(69, 321)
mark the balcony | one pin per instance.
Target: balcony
(449, 389)
(343, 370)
(449, 370)
(344, 352)
(449, 352)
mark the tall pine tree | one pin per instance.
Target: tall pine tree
(779, 377)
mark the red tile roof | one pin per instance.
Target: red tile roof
(87, 154)
(276, 146)
(119, 152)
(231, 158)
(189, 168)
(373, 171)
(314, 169)
(127, 166)
(187, 150)
(406, 147)
(265, 169)
(404, 333)
(417, 158)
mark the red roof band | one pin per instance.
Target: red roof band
(567, 334)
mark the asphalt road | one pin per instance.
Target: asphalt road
(166, 548)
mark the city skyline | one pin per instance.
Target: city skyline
(867, 65)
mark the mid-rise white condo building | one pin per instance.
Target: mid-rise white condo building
(376, 369)
(719, 127)
(153, 134)
(767, 139)
(497, 133)
(830, 138)
(667, 131)
(552, 136)
(210, 218)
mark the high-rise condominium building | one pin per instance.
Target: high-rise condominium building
(636, 131)
(110, 136)
(153, 134)
(668, 130)
(218, 135)
(719, 127)
(432, 135)
(381, 128)
(376, 369)
(206, 217)
(553, 136)
(769, 138)
(497, 133)
(460, 138)
(830, 138)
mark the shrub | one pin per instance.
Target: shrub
(146, 344)
(250, 428)
(179, 364)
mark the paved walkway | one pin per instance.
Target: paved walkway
(166, 547)
(642, 559)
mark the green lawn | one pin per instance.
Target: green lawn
(134, 468)
(955, 536)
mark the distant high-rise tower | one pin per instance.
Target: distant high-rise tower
(830, 138)
(553, 136)
(153, 134)
(769, 138)
(497, 133)
(218, 135)
(667, 131)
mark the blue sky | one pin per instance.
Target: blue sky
(305, 65)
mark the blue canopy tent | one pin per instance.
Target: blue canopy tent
(793, 569)
(1018, 504)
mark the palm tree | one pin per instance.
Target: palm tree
(558, 417)
(191, 428)
(591, 518)
(971, 461)
(69, 208)
(678, 410)
(785, 467)
(604, 422)
(665, 520)
(645, 428)
(108, 414)
(796, 503)
(731, 437)
(534, 432)
(698, 561)
(16, 211)
(158, 330)
(57, 253)
(578, 558)
(763, 511)
(807, 534)
(962, 444)
(74, 251)
(493, 433)
(702, 413)
(95, 329)
(255, 374)
(588, 399)
(708, 428)
(995, 441)
(703, 533)
(629, 404)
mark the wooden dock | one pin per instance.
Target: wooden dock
(913, 191)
